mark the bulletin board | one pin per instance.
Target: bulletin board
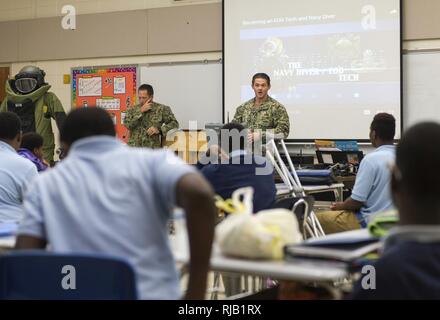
(110, 88)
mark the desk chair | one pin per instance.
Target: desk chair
(300, 206)
(41, 275)
(290, 178)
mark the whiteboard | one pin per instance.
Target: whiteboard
(193, 91)
(421, 87)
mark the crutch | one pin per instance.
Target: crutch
(314, 220)
(290, 178)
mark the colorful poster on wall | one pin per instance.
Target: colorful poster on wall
(110, 88)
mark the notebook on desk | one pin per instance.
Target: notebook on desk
(345, 250)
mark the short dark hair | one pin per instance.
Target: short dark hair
(146, 87)
(417, 159)
(31, 140)
(232, 143)
(86, 122)
(385, 126)
(10, 125)
(261, 75)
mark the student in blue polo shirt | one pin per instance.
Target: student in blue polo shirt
(108, 198)
(15, 172)
(239, 168)
(410, 265)
(371, 190)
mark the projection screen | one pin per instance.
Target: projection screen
(333, 64)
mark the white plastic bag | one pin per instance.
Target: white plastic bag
(262, 235)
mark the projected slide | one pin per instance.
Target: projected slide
(333, 64)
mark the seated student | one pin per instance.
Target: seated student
(32, 149)
(371, 189)
(15, 172)
(410, 265)
(108, 198)
(238, 169)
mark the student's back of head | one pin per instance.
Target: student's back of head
(382, 129)
(84, 123)
(32, 149)
(10, 129)
(409, 266)
(416, 176)
(32, 141)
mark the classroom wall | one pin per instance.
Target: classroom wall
(161, 27)
(56, 69)
(148, 27)
(32, 9)
(193, 34)
(182, 29)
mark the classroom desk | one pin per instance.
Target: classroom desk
(351, 178)
(337, 189)
(304, 270)
(360, 233)
(348, 181)
(299, 269)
